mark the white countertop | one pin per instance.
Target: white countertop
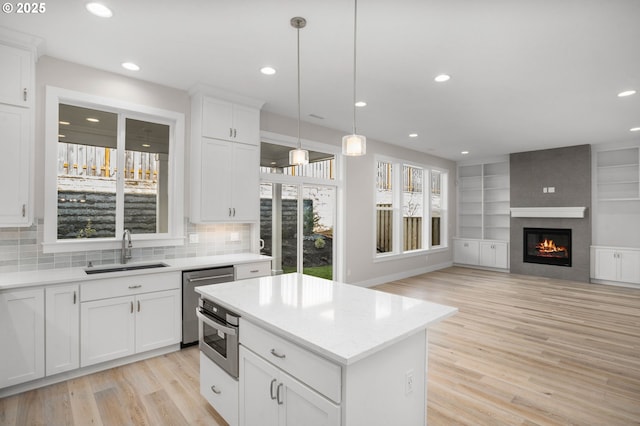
(15, 280)
(342, 322)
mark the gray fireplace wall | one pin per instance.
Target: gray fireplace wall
(568, 170)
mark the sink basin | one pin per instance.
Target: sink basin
(104, 270)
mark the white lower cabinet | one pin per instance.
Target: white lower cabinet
(616, 264)
(21, 336)
(62, 307)
(270, 396)
(219, 389)
(130, 315)
(494, 254)
(487, 253)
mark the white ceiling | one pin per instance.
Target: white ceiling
(526, 74)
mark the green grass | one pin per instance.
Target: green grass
(316, 271)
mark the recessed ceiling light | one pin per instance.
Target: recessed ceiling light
(273, 163)
(442, 78)
(62, 136)
(130, 66)
(100, 10)
(146, 145)
(413, 135)
(361, 104)
(268, 70)
(93, 120)
(64, 123)
(464, 152)
(626, 93)
(635, 129)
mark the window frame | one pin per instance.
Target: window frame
(176, 122)
(397, 188)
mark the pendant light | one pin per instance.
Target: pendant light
(354, 144)
(298, 156)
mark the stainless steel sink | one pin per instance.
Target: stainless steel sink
(104, 270)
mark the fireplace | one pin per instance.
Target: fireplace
(548, 246)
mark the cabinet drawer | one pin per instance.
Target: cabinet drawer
(252, 270)
(316, 372)
(129, 285)
(220, 389)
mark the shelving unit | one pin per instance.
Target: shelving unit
(618, 175)
(483, 197)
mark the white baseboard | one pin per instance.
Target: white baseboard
(615, 283)
(400, 275)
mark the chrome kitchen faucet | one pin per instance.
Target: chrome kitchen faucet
(126, 247)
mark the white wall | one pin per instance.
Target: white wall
(360, 265)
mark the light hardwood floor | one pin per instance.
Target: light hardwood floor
(521, 351)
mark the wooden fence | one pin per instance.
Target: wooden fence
(87, 160)
(412, 231)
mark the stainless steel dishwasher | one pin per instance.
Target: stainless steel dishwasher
(191, 280)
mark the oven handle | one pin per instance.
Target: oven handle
(212, 277)
(215, 324)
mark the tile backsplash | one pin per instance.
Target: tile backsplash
(21, 248)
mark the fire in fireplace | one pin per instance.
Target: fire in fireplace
(547, 246)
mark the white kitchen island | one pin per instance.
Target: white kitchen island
(319, 352)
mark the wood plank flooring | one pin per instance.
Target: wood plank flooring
(521, 351)
(530, 351)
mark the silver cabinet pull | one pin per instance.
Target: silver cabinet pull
(280, 402)
(230, 132)
(254, 271)
(138, 306)
(193, 280)
(135, 286)
(229, 211)
(24, 210)
(234, 212)
(235, 132)
(74, 297)
(215, 390)
(273, 382)
(277, 354)
(132, 306)
(24, 94)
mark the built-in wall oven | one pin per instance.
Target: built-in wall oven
(218, 335)
(191, 280)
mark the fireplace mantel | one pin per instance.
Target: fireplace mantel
(551, 212)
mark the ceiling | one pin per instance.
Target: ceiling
(525, 74)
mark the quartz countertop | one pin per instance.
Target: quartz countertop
(16, 280)
(342, 322)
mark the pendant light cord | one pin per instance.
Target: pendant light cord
(355, 31)
(299, 143)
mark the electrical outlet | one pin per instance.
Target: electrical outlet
(194, 238)
(408, 382)
(545, 189)
(552, 189)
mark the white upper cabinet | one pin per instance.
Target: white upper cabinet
(225, 161)
(16, 128)
(16, 76)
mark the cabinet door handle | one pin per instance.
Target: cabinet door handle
(235, 132)
(74, 297)
(138, 306)
(280, 402)
(24, 210)
(24, 94)
(234, 212)
(135, 286)
(273, 382)
(229, 211)
(254, 271)
(230, 132)
(215, 390)
(277, 354)
(132, 306)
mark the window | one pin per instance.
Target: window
(410, 208)
(111, 166)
